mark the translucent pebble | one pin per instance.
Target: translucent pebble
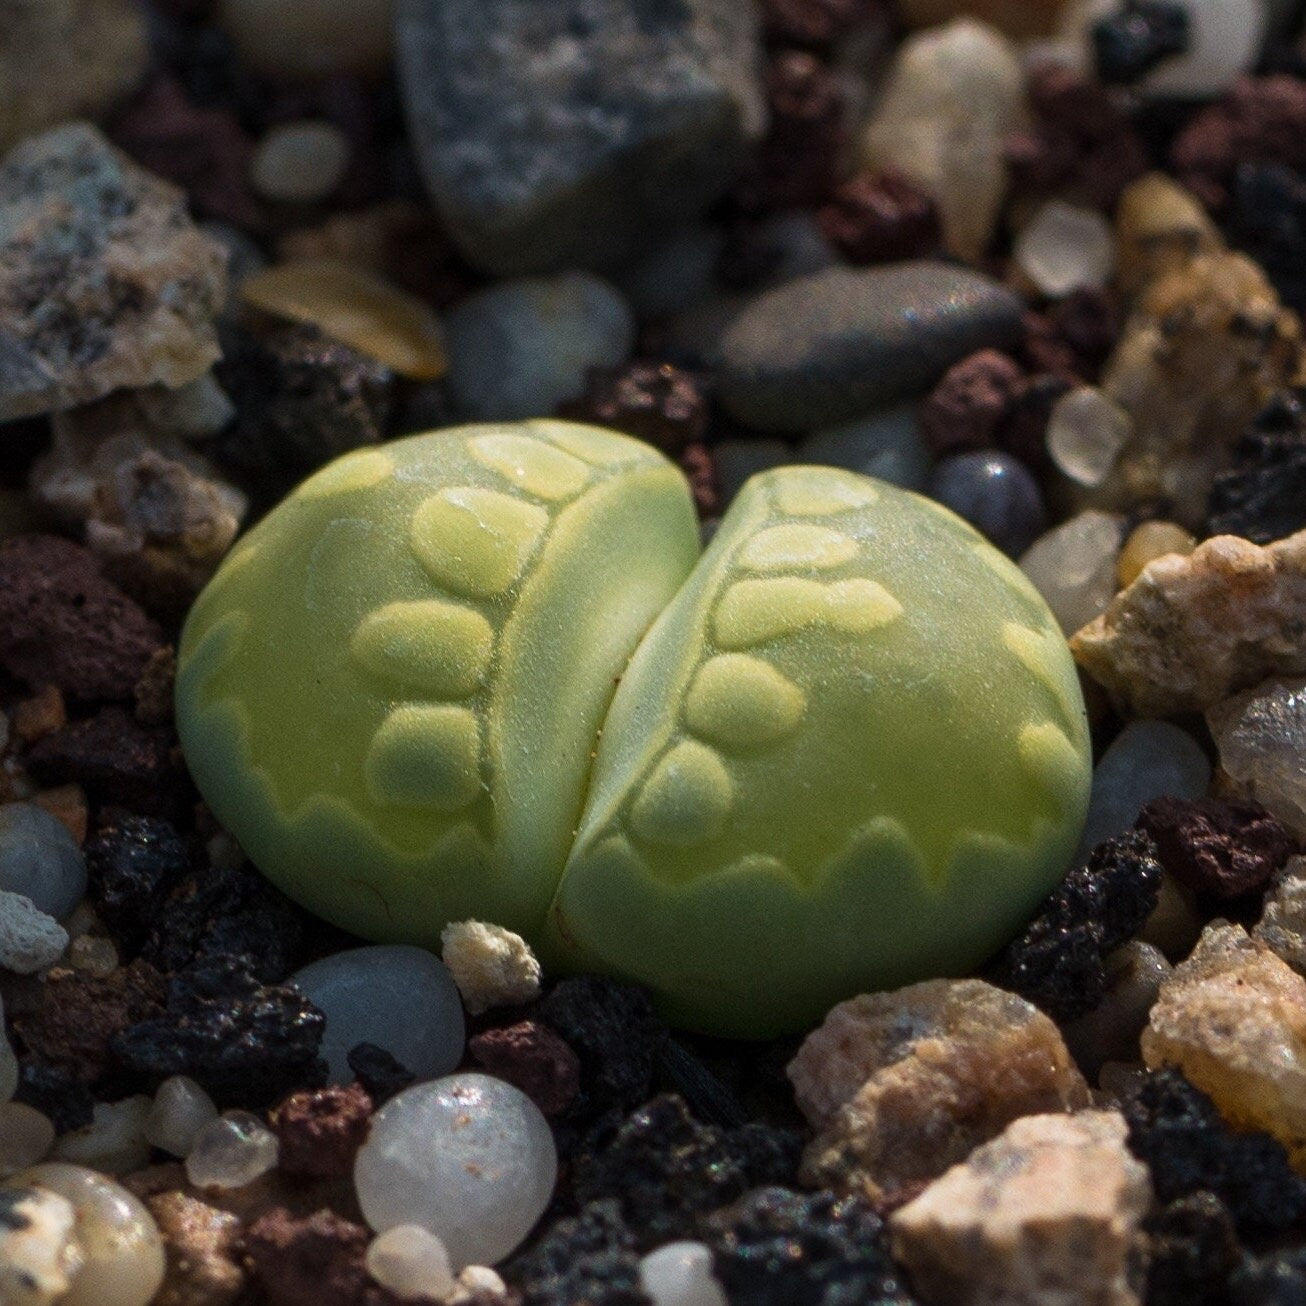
(1086, 432)
(886, 445)
(231, 1151)
(1148, 759)
(300, 162)
(1224, 39)
(114, 1142)
(181, 1108)
(1066, 248)
(8, 1062)
(400, 998)
(996, 493)
(1146, 543)
(1261, 736)
(311, 38)
(411, 1262)
(680, 1274)
(122, 1251)
(40, 859)
(734, 461)
(1073, 566)
(92, 954)
(468, 1157)
(26, 1136)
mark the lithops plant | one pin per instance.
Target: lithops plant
(484, 673)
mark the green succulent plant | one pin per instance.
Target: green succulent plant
(484, 673)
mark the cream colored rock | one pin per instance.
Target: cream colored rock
(899, 1086)
(1191, 631)
(1160, 229)
(1233, 1019)
(202, 1246)
(1044, 1215)
(39, 1251)
(1282, 927)
(492, 966)
(954, 93)
(1015, 18)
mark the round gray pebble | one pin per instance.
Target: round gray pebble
(886, 445)
(996, 493)
(40, 859)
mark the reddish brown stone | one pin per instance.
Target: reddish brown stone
(655, 402)
(966, 406)
(322, 1129)
(533, 1058)
(40, 715)
(879, 218)
(815, 23)
(1224, 847)
(63, 624)
(696, 463)
(154, 690)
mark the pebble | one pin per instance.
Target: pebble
(1261, 739)
(40, 1254)
(1110, 1032)
(899, 1086)
(114, 1142)
(300, 162)
(1193, 630)
(123, 1259)
(886, 445)
(1230, 1017)
(952, 96)
(492, 966)
(1146, 543)
(1047, 1212)
(320, 1130)
(563, 135)
(1146, 760)
(522, 347)
(395, 996)
(734, 461)
(468, 1157)
(1138, 36)
(1066, 248)
(975, 398)
(26, 1136)
(8, 1062)
(203, 1245)
(358, 308)
(841, 343)
(411, 1262)
(880, 218)
(1262, 497)
(996, 493)
(1073, 566)
(680, 1274)
(30, 940)
(1224, 39)
(39, 860)
(311, 39)
(231, 1151)
(124, 260)
(1282, 927)
(1017, 18)
(676, 273)
(181, 1108)
(1160, 228)
(1086, 432)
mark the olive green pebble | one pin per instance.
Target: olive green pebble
(484, 673)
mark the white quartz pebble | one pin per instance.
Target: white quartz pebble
(680, 1274)
(300, 162)
(231, 1151)
(1073, 566)
(29, 939)
(400, 998)
(1224, 38)
(469, 1157)
(26, 1136)
(122, 1251)
(1085, 434)
(411, 1262)
(40, 859)
(181, 1108)
(39, 1251)
(311, 38)
(1066, 248)
(114, 1142)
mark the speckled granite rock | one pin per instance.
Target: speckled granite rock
(569, 133)
(104, 280)
(1044, 1215)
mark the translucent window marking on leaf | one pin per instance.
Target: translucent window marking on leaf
(737, 701)
(795, 545)
(686, 798)
(441, 648)
(814, 492)
(355, 471)
(531, 465)
(754, 611)
(426, 756)
(474, 541)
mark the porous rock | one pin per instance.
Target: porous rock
(320, 1130)
(29, 939)
(1191, 631)
(202, 1246)
(570, 133)
(899, 1086)
(1047, 1212)
(530, 1056)
(492, 966)
(105, 283)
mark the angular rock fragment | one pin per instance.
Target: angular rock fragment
(1190, 631)
(202, 1246)
(105, 282)
(1282, 927)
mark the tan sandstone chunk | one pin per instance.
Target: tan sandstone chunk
(1282, 927)
(1045, 1215)
(901, 1085)
(1160, 228)
(202, 1245)
(1233, 1019)
(1192, 630)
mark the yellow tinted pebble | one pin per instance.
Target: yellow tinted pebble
(755, 611)
(737, 701)
(686, 798)
(531, 465)
(475, 541)
(441, 648)
(426, 756)
(1151, 540)
(815, 492)
(355, 471)
(796, 544)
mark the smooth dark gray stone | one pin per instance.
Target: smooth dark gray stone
(835, 345)
(557, 134)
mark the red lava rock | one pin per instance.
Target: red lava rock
(1224, 847)
(654, 402)
(318, 1261)
(322, 1129)
(533, 1058)
(880, 217)
(63, 624)
(815, 22)
(1261, 120)
(154, 690)
(966, 406)
(696, 463)
(75, 1015)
